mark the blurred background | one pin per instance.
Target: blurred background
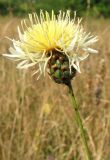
(36, 118)
(97, 8)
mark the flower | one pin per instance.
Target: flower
(42, 37)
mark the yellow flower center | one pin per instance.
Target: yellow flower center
(48, 34)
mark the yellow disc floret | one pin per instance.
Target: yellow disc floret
(47, 32)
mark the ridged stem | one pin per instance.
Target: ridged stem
(79, 121)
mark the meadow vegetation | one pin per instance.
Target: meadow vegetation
(36, 117)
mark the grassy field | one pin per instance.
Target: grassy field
(36, 118)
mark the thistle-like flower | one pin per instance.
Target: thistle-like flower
(53, 41)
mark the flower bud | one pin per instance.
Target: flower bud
(58, 68)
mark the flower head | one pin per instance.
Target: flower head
(47, 35)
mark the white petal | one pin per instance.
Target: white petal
(78, 68)
(12, 50)
(90, 50)
(83, 57)
(20, 34)
(20, 65)
(75, 64)
(91, 41)
(16, 46)
(25, 64)
(11, 55)
(72, 44)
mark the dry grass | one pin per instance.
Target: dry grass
(36, 118)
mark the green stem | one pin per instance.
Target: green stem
(79, 121)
